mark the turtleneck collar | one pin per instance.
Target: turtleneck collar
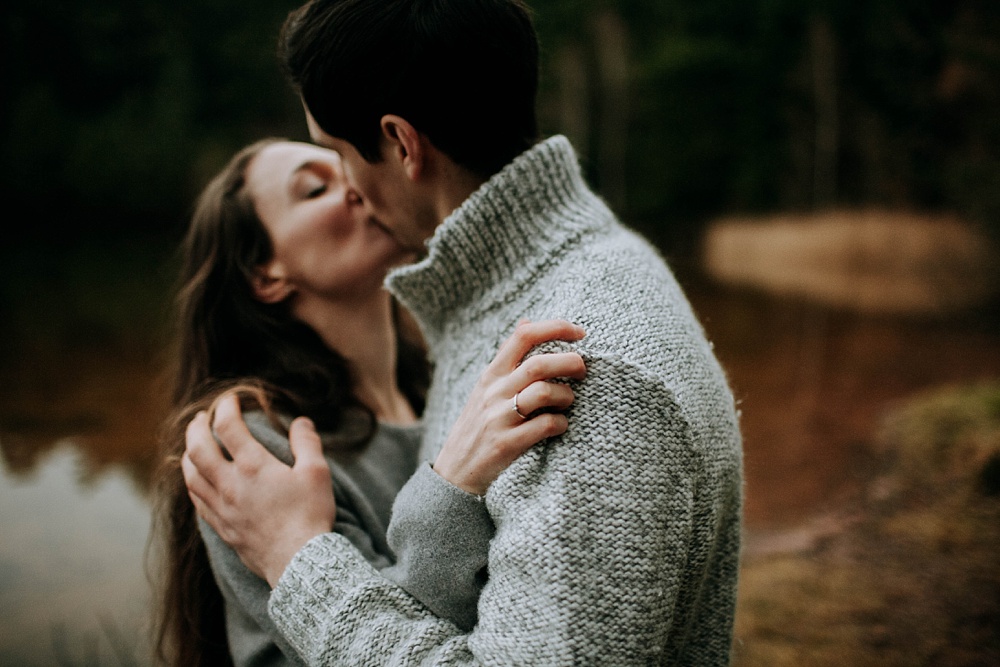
(500, 236)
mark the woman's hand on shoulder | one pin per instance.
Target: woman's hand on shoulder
(514, 405)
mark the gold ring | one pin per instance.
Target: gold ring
(516, 410)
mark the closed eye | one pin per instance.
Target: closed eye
(310, 180)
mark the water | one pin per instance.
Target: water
(77, 446)
(73, 588)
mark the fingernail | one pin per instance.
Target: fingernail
(308, 422)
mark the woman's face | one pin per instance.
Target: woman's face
(325, 241)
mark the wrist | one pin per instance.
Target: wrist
(453, 478)
(282, 557)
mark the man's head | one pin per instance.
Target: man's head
(463, 73)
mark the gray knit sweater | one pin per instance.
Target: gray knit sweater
(365, 486)
(616, 543)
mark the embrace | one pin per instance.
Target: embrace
(435, 404)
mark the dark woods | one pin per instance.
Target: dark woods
(116, 112)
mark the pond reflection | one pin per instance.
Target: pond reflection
(78, 441)
(72, 582)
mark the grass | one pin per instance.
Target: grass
(945, 437)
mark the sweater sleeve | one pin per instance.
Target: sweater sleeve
(591, 559)
(440, 535)
(253, 637)
(450, 586)
(254, 641)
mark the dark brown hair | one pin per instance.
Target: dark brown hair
(463, 72)
(227, 340)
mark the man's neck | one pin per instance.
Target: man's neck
(453, 185)
(500, 235)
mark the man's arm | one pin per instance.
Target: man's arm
(266, 510)
(592, 555)
(449, 587)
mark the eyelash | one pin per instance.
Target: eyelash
(316, 192)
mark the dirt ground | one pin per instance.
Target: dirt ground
(847, 561)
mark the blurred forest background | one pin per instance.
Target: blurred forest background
(872, 438)
(116, 112)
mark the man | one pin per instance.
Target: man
(616, 543)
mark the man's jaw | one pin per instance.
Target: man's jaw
(417, 249)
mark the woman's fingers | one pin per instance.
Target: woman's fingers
(528, 433)
(547, 367)
(534, 430)
(543, 395)
(530, 334)
(487, 436)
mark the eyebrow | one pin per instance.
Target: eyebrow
(308, 165)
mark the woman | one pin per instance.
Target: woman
(282, 304)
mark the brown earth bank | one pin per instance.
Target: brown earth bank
(872, 260)
(906, 572)
(106, 401)
(862, 545)
(813, 384)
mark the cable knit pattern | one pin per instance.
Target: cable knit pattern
(615, 544)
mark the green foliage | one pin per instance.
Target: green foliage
(95, 293)
(725, 113)
(117, 112)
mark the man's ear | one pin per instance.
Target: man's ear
(405, 144)
(269, 283)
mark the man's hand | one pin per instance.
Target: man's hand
(261, 507)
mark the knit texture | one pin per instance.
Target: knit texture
(440, 535)
(616, 543)
(365, 485)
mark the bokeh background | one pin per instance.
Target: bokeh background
(823, 177)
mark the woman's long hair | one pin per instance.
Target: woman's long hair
(228, 340)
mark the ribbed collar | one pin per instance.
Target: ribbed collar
(500, 236)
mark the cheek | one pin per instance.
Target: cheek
(328, 222)
(310, 238)
(311, 261)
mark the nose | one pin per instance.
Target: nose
(354, 197)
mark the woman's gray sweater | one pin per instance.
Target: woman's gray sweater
(616, 543)
(365, 486)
